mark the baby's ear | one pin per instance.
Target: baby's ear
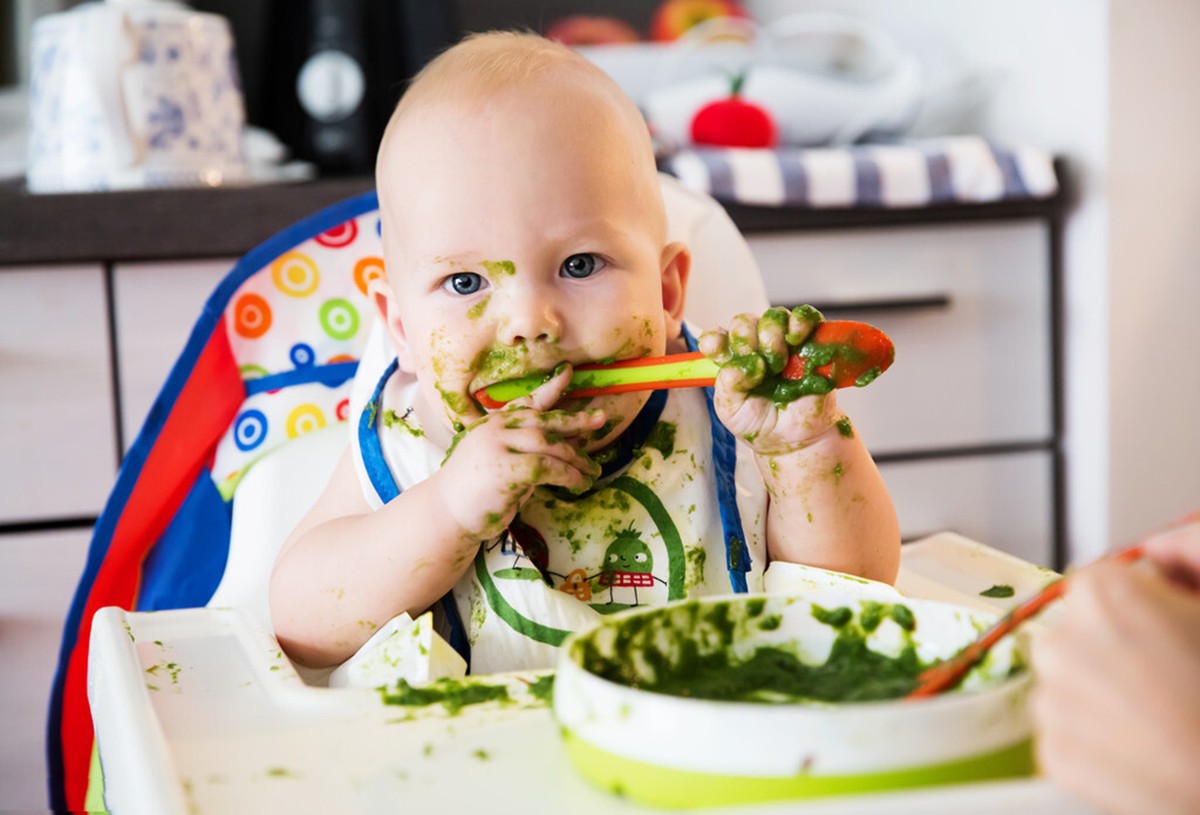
(387, 305)
(676, 265)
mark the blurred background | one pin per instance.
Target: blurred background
(1103, 86)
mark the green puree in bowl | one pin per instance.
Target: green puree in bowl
(771, 673)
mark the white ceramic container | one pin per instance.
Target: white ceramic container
(674, 751)
(133, 93)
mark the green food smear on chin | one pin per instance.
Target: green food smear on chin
(452, 694)
(459, 403)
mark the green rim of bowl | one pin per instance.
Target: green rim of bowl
(670, 787)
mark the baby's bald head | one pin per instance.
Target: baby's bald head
(515, 84)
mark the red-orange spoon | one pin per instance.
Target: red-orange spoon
(946, 675)
(855, 353)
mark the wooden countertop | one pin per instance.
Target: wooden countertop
(178, 224)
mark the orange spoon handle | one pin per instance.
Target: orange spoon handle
(946, 675)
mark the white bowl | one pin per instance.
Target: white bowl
(681, 751)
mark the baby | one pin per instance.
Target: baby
(524, 232)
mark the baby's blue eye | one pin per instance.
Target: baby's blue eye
(581, 266)
(463, 283)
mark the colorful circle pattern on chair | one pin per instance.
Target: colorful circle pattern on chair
(298, 314)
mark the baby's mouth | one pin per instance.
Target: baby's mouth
(541, 375)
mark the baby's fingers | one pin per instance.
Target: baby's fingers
(715, 346)
(548, 393)
(572, 425)
(801, 322)
(743, 335)
(772, 338)
(577, 475)
(538, 440)
(743, 375)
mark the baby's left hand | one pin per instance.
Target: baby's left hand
(751, 352)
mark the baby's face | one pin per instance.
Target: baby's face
(530, 238)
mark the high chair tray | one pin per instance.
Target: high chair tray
(198, 711)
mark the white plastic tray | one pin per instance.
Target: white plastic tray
(198, 711)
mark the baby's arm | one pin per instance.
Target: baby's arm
(828, 505)
(346, 570)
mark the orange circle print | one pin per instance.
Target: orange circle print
(251, 316)
(366, 270)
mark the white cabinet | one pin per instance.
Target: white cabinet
(58, 450)
(156, 306)
(962, 424)
(1002, 499)
(38, 574)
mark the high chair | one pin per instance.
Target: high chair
(251, 420)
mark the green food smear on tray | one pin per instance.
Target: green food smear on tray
(452, 694)
(999, 590)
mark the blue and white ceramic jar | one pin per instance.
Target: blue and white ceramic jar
(134, 93)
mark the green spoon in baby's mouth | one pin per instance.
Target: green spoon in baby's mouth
(840, 353)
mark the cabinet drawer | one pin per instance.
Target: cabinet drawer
(58, 451)
(38, 573)
(968, 309)
(1005, 501)
(157, 304)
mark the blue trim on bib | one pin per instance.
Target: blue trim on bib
(634, 437)
(387, 489)
(332, 375)
(724, 452)
(368, 441)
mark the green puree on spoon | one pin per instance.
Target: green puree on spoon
(838, 354)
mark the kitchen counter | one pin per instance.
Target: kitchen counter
(178, 224)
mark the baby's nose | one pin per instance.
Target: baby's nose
(531, 320)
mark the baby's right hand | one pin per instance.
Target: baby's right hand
(493, 466)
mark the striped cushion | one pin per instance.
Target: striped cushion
(966, 169)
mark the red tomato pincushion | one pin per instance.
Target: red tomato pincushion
(734, 122)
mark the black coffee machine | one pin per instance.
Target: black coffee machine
(325, 75)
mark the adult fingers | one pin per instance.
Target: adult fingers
(1177, 550)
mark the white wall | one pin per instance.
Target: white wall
(1154, 251)
(1047, 67)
